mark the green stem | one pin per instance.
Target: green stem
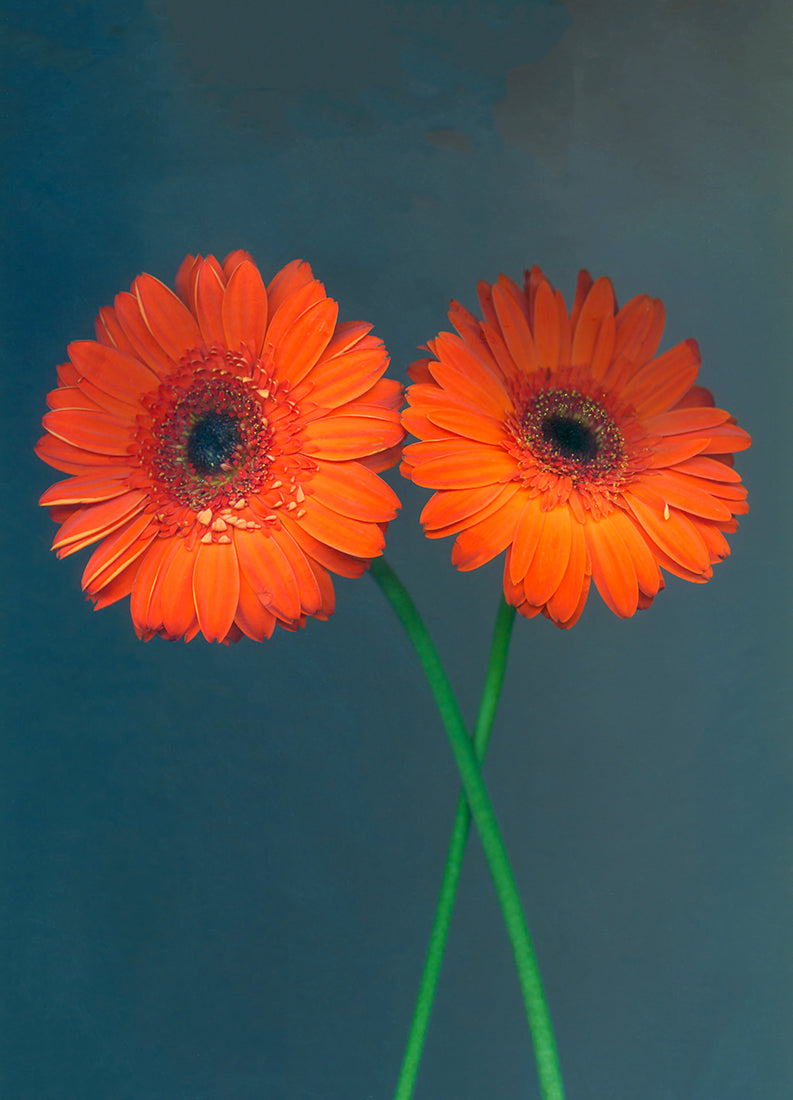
(499, 648)
(481, 808)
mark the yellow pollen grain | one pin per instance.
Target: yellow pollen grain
(301, 496)
(207, 538)
(291, 505)
(219, 524)
(239, 503)
(263, 393)
(224, 539)
(666, 510)
(205, 517)
(276, 484)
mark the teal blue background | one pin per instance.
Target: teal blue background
(219, 865)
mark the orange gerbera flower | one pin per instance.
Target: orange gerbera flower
(567, 441)
(224, 442)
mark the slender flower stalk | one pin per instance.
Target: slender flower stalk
(484, 816)
(499, 650)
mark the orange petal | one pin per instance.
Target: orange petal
(87, 489)
(676, 536)
(252, 617)
(353, 491)
(613, 570)
(94, 431)
(451, 465)
(269, 573)
(168, 319)
(471, 425)
(512, 311)
(663, 381)
(282, 318)
(463, 374)
(208, 304)
(351, 536)
(305, 572)
(326, 556)
(298, 349)
(289, 279)
(503, 494)
(453, 505)
(549, 561)
(481, 542)
(177, 605)
(547, 337)
(88, 524)
(73, 460)
(567, 601)
(115, 552)
(363, 430)
(528, 531)
(598, 306)
(682, 492)
(244, 309)
(138, 335)
(114, 372)
(682, 421)
(346, 377)
(153, 564)
(216, 585)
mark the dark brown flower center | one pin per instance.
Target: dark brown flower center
(212, 441)
(573, 436)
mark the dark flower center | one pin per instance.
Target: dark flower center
(570, 436)
(573, 436)
(212, 441)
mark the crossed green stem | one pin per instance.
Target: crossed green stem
(474, 801)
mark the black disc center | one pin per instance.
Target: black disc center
(570, 437)
(212, 442)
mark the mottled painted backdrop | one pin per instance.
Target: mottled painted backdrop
(219, 865)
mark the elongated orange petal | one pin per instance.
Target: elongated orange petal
(216, 586)
(481, 542)
(208, 304)
(299, 348)
(613, 570)
(270, 574)
(87, 489)
(168, 319)
(352, 490)
(514, 324)
(547, 337)
(549, 561)
(244, 309)
(96, 432)
(351, 536)
(121, 375)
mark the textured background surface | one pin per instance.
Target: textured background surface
(220, 864)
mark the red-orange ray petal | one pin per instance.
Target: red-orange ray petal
(547, 336)
(471, 425)
(88, 524)
(583, 288)
(208, 304)
(549, 561)
(680, 492)
(566, 602)
(326, 556)
(168, 319)
(139, 336)
(504, 494)
(465, 375)
(120, 375)
(353, 491)
(482, 541)
(528, 531)
(301, 345)
(668, 529)
(514, 324)
(252, 617)
(682, 421)
(362, 430)
(110, 333)
(346, 377)
(216, 583)
(709, 468)
(597, 307)
(244, 309)
(282, 318)
(72, 460)
(151, 567)
(308, 587)
(270, 574)
(116, 551)
(458, 465)
(233, 260)
(453, 505)
(351, 536)
(96, 432)
(663, 381)
(177, 606)
(289, 279)
(87, 489)
(613, 570)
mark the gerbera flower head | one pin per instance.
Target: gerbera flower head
(566, 439)
(224, 443)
